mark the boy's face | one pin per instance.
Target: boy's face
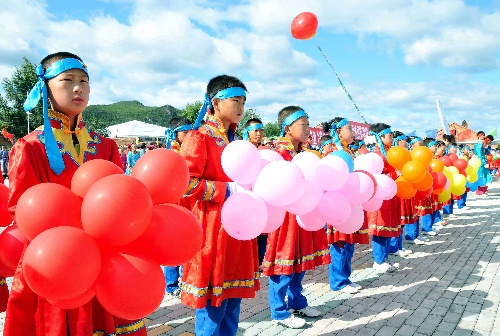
(180, 136)
(345, 133)
(69, 92)
(387, 139)
(453, 150)
(417, 144)
(229, 110)
(402, 143)
(255, 136)
(299, 130)
(433, 149)
(327, 149)
(440, 150)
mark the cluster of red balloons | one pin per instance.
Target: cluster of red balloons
(12, 241)
(113, 235)
(452, 159)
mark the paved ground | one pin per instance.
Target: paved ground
(451, 286)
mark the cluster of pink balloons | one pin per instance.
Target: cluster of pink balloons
(317, 190)
(113, 235)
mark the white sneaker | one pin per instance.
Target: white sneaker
(437, 227)
(384, 267)
(308, 311)
(406, 252)
(420, 241)
(395, 265)
(398, 253)
(357, 286)
(465, 208)
(425, 239)
(291, 321)
(349, 289)
(429, 233)
(452, 216)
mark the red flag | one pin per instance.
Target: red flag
(7, 135)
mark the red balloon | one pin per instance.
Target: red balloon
(461, 164)
(41, 208)
(453, 157)
(439, 180)
(116, 210)
(447, 161)
(61, 263)
(5, 271)
(130, 287)
(90, 172)
(304, 26)
(165, 173)
(463, 172)
(12, 243)
(5, 218)
(174, 224)
(75, 302)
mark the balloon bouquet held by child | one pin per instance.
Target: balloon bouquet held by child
(291, 250)
(64, 82)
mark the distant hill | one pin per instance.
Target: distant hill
(120, 112)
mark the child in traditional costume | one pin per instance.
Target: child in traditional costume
(291, 250)
(481, 150)
(37, 158)
(226, 269)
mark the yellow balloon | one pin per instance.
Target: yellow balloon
(469, 170)
(463, 157)
(448, 173)
(444, 196)
(453, 170)
(458, 191)
(458, 181)
(472, 177)
(475, 162)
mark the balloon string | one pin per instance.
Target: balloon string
(341, 84)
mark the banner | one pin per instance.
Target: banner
(360, 131)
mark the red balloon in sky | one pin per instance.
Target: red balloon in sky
(304, 26)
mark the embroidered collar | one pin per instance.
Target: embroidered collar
(60, 121)
(287, 144)
(217, 130)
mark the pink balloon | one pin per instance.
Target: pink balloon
(280, 183)
(394, 191)
(354, 222)
(241, 162)
(270, 155)
(385, 187)
(334, 208)
(307, 162)
(311, 221)
(364, 162)
(275, 217)
(331, 173)
(378, 163)
(244, 215)
(447, 186)
(366, 187)
(309, 199)
(372, 205)
(352, 189)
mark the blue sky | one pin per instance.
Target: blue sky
(395, 57)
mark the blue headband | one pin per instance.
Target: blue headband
(323, 144)
(222, 94)
(335, 136)
(399, 138)
(414, 141)
(291, 119)
(170, 134)
(361, 143)
(379, 140)
(39, 91)
(353, 146)
(251, 127)
(432, 143)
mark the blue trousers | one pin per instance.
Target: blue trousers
(396, 243)
(172, 275)
(380, 248)
(412, 231)
(427, 222)
(461, 202)
(448, 208)
(279, 286)
(437, 217)
(261, 247)
(340, 269)
(217, 321)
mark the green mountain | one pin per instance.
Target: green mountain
(120, 112)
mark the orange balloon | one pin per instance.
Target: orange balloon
(425, 184)
(438, 191)
(398, 156)
(437, 165)
(405, 188)
(422, 154)
(414, 171)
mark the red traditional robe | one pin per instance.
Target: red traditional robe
(359, 237)
(290, 248)
(408, 211)
(225, 267)
(386, 222)
(27, 313)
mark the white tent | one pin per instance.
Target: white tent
(135, 128)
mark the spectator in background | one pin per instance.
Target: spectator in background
(4, 161)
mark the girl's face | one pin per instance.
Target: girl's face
(440, 151)
(345, 133)
(402, 143)
(416, 144)
(299, 130)
(387, 139)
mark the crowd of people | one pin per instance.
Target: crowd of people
(226, 270)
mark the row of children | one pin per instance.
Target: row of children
(226, 270)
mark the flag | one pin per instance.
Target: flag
(431, 133)
(412, 133)
(7, 135)
(444, 123)
(492, 132)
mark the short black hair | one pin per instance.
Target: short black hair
(328, 124)
(428, 141)
(252, 121)
(481, 132)
(440, 143)
(286, 112)
(223, 82)
(378, 127)
(52, 58)
(324, 138)
(397, 133)
(490, 137)
(178, 121)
